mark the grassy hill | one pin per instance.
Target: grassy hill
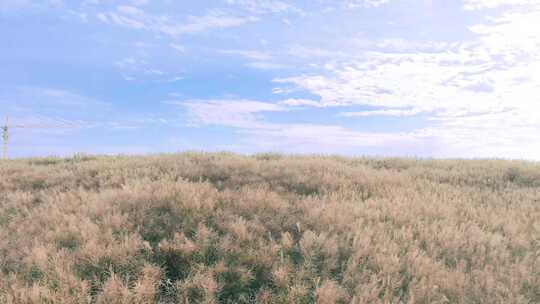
(224, 228)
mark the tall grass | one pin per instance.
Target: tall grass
(223, 228)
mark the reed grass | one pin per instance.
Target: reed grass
(268, 228)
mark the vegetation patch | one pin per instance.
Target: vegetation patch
(268, 228)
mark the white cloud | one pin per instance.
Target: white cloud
(43, 97)
(140, 2)
(126, 16)
(131, 63)
(233, 113)
(135, 18)
(246, 116)
(20, 5)
(261, 60)
(178, 48)
(481, 95)
(299, 102)
(144, 71)
(280, 6)
(420, 81)
(477, 109)
(265, 65)
(323, 138)
(199, 24)
(510, 134)
(250, 54)
(365, 3)
(282, 90)
(264, 6)
(394, 112)
(514, 36)
(486, 4)
(175, 79)
(400, 44)
(311, 53)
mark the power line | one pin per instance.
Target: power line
(60, 123)
(7, 127)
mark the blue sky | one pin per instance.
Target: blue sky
(356, 77)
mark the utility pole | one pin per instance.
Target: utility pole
(7, 127)
(5, 139)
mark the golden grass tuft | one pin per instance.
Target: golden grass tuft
(224, 228)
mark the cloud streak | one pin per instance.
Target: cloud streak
(247, 117)
(135, 18)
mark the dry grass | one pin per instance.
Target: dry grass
(223, 228)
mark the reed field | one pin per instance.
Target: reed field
(268, 228)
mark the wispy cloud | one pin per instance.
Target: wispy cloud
(199, 24)
(139, 69)
(44, 97)
(300, 102)
(249, 54)
(247, 118)
(178, 48)
(126, 16)
(365, 3)
(393, 112)
(258, 59)
(265, 6)
(20, 5)
(265, 65)
(486, 4)
(135, 18)
(232, 113)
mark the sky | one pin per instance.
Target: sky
(415, 78)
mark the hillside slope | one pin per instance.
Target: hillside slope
(223, 228)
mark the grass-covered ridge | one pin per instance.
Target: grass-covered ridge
(224, 228)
